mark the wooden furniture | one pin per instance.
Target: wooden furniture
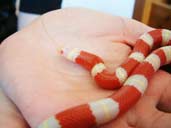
(155, 13)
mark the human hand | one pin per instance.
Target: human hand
(42, 83)
(10, 117)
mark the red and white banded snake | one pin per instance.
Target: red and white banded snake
(134, 74)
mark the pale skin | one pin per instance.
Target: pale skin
(10, 117)
(42, 83)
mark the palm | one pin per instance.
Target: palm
(44, 83)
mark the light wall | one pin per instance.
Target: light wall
(115, 7)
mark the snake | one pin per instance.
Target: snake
(151, 51)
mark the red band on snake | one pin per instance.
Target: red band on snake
(133, 75)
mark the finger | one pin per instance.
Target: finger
(10, 116)
(164, 103)
(160, 90)
(133, 30)
(140, 115)
(161, 120)
(143, 114)
(145, 111)
(156, 119)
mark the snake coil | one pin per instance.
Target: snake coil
(133, 76)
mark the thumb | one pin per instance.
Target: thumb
(160, 90)
(145, 113)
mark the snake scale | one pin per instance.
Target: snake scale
(132, 76)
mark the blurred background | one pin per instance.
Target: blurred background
(16, 14)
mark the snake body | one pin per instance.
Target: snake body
(133, 75)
